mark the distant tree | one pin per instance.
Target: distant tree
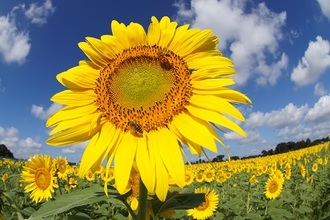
(4, 152)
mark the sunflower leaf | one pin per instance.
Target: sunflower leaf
(65, 202)
(178, 201)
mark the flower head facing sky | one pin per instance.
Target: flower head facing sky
(141, 96)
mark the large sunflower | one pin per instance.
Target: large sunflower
(141, 96)
(39, 173)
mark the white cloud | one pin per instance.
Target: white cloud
(29, 143)
(9, 136)
(21, 148)
(319, 89)
(68, 151)
(14, 44)
(252, 36)
(320, 111)
(38, 14)
(325, 7)
(43, 114)
(253, 137)
(289, 131)
(315, 62)
(302, 132)
(289, 115)
(77, 148)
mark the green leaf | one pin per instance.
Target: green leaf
(253, 216)
(276, 213)
(304, 209)
(178, 201)
(65, 202)
(79, 216)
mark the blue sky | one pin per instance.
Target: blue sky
(281, 55)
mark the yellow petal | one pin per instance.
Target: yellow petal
(167, 31)
(137, 34)
(95, 57)
(75, 122)
(69, 113)
(216, 118)
(112, 44)
(145, 160)
(74, 135)
(195, 42)
(169, 151)
(101, 48)
(218, 104)
(124, 157)
(79, 77)
(212, 84)
(119, 31)
(192, 129)
(98, 148)
(153, 32)
(68, 97)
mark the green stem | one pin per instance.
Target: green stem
(143, 195)
(248, 200)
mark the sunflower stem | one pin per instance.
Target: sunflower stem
(143, 194)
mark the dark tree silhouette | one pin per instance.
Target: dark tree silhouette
(4, 152)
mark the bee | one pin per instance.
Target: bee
(135, 129)
(164, 58)
(192, 70)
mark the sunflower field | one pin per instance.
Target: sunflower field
(293, 185)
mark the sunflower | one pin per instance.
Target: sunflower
(207, 208)
(142, 97)
(273, 187)
(62, 166)
(39, 173)
(314, 167)
(4, 177)
(209, 175)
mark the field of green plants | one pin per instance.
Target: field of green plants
(294, 185)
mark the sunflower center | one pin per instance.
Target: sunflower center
(42, 178)
(204, 205)
(273, 187)
(143, 88)
(62, 168)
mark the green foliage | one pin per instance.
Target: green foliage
(302, 197)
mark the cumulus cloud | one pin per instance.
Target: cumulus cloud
(29, 143)
(14, 43)
(21, 148)
(42, 113)
(319, 89)
(289, 115)
(253, 137)
(302, 132)
(252, 36)
(325, 7)
(77, 148)
(38, 14)
(320, 111)
(315, 62)
(9, 136)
